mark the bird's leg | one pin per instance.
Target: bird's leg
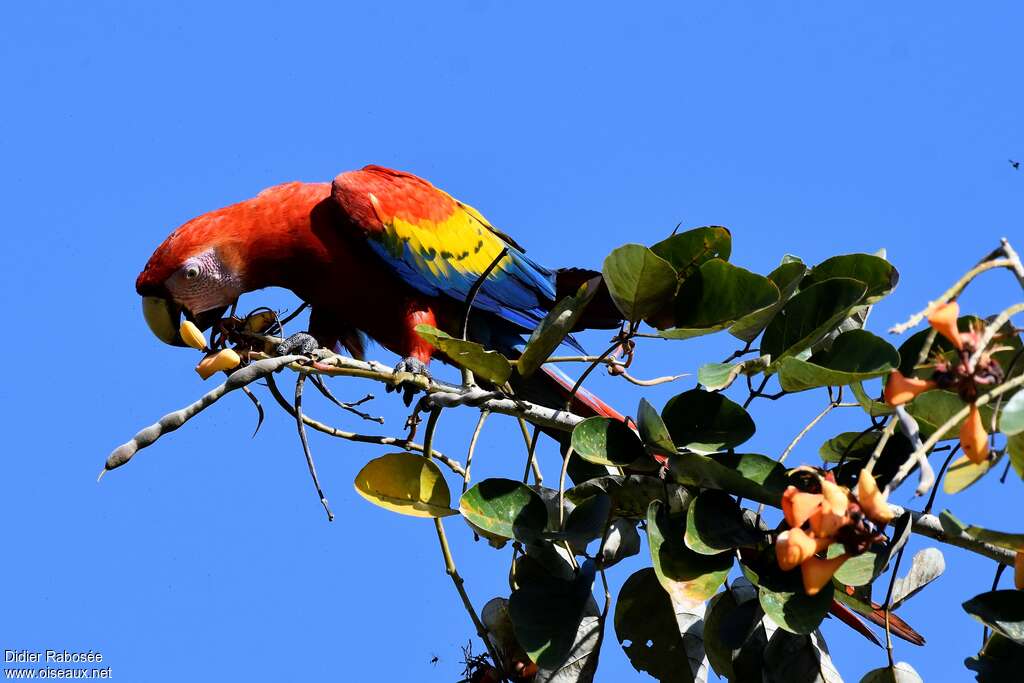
(301, 343)
(416, 353)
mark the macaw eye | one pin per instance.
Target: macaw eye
(191, 273)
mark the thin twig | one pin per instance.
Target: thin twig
(803, 432)
(449, 561)
(398, 442)
(299, 381)
(888, 601)
(172, 421)
(991, 330)
(946, 426)
(531, 450)
(942, 471)
(318, 382)
(472, 447)
(951, 293)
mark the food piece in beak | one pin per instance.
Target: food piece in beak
(164, 318)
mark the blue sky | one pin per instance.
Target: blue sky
(807, 128)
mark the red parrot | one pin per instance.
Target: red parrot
(376, 252)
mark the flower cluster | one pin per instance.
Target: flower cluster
(973, 367)
(819, 513)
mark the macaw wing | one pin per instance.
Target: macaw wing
(441, 247)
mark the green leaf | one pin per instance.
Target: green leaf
(621, 541)
(720, 293)
(1002, 611)
(901, 672)
(1014, 542)
(605, 441)
(715, 523)
(854, 445)
(488, 365)
(687, 251)
(639, 281)
(647, 628)
(750, 475)
(870, 406)
(999, 661)
(1015, 449)
(546, 613)
(734, 635)
(799, 659)
(878, 274)
(963, 473)
(809, 316)
(506, 508)
(706, 422)
(555, 327)
(783, 599)
(688, 577)
(405, 483)
(932, 408)
(653, 431)
(632, 494)
(856, 571)
(951, 526)
(720, 376)
(854, 356)
(586, 522)
(1011, 419)
(786, 279)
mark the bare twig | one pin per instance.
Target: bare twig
(472, 447)
(172, 421)
(923, 449)
(803, 432)
(951, 293)
(299, 381)
(398, 442)
(321, 386)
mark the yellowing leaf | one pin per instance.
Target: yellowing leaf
(405, 483)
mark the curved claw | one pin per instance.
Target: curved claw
(301, 343)
(405, 372)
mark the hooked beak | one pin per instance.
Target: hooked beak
(164, 318)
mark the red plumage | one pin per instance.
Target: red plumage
(299, 237)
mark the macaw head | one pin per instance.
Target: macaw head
(207, 263)
(195, 273)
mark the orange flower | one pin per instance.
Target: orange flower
(900, 389)
(1018, 571)
(943, 319)
(818, 572)
(831, 516)
(798, 506)
(871, 500)
(793, 547)
(974, 438)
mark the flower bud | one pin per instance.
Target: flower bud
(225, 359)
(900, 389)
(793, 547)
(191, 335)
(943, 319)
(798, 506)
(974, 438)
(871, 500)
(818, 572)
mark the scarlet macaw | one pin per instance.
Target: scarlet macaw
(376, 252)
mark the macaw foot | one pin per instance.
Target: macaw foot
(301, 343)
(405, 376)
